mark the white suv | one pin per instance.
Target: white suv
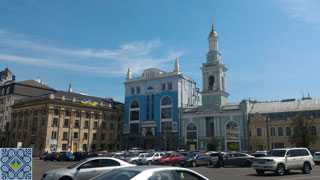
(283, 160)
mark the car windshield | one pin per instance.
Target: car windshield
(277, 153)
(191, 155)
(150, 155)
(76, 164)
(118, 174)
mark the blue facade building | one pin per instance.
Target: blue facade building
(151, 107)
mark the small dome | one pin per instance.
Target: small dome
(213, 33)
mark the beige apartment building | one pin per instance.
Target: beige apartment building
(270, 123)
(66, 121)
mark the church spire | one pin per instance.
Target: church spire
(213, 33)
(176, 66)
(129, 74)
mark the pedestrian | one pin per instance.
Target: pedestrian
(220, 160)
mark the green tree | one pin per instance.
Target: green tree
(256, 143)
(213, 144)
(302, 130)
(233, 146)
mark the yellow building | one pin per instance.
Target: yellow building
(270, 123)
(66, 121)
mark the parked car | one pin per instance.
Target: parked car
(51, 156)
(172, 158)
(213, 159)
(65, 156)
(238, 159)
(151, 173)
(259, 154)
(150, 158)
(132, 158)
(194, 159)
(80, 155)
(316, 157)
(85, 169)
(92, 154)
(281, 161)
(42, 156)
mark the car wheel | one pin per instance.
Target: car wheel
(65, 178)
(149, 162)
(260, 172)
(166, 163)
(248, 164)
(134, 162)
(306, 168)
(287, 171)
(280, 170)
(194, 164)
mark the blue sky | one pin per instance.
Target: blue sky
(271, 48)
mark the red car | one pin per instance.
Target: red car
(172, 158)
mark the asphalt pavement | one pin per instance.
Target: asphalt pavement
(227, 173)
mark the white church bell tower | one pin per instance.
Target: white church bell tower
(214, 91)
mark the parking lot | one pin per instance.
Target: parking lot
(39, 167)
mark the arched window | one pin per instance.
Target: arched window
(191, 131)
(313, 131)
(211, 83)
(259, 132)
(166, 108)
(134, 111)
(56, 112)
(288, 131)
(211, 129)
(272, 131)
(280, 131)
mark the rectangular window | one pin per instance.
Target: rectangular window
(103, 125)
(75, 135)
(76, 123)
(85, 136)
(95, 125)
(134, 128)
(64, 147)
(134, 115)
(35, 121)
(86, 124)
(94, 137)
(166, 113)
(103, 136)
(19, 123)
(163, 87)
(43, 121)
(170, 86)
(152, 107)
(111, 126)
(84, 147)
(66, 122)
(147, 107)
(138, 90)
(65, 135)
(132, 90)
(55, 122)
(166, 127)
(54, 135)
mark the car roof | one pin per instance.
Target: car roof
(152, 167)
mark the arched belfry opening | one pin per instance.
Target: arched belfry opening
(211, 83)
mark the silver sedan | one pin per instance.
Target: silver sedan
(85, 169)
(151, 173)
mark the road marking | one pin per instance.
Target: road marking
(308, 177)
